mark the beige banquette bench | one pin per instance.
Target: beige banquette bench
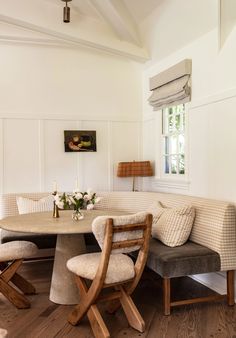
(8, 207)
(211, 246)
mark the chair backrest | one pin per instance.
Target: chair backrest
(127, 234)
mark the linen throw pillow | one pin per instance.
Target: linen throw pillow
(26, 205)
(156, 209)
(173, 225)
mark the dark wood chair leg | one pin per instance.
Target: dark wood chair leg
(26, 287)
(132, 314)
(97, 324)
(230, 287)
(166, 296)
(16, 298)
(113, 306)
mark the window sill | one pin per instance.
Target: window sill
(168, 183)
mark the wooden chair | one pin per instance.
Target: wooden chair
(12, 255)
(113, 269)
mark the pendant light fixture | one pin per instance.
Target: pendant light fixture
(66, 12)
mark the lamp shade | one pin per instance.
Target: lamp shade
(139, 168)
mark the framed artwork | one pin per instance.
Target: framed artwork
(80, 140)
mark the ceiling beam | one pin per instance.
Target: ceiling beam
(119, 18)
(124, 49)
(227, 19)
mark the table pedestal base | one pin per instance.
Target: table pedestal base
(63, 287)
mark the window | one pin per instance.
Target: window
(173, 136)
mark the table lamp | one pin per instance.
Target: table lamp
(133, 169)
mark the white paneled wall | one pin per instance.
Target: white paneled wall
(125, 141)
(96, 167)
(1, 155)
(46, 90)
(20, 164)
(32, 154)
(58, 165)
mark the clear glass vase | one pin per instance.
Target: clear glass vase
(77, 215)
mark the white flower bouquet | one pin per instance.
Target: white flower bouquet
(77, 200)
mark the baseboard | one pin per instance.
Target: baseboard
(215, 281)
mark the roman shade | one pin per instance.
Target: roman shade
(172, 86)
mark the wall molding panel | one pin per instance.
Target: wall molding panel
(1, 156)
(211, 99)
(41, 155)
(68, 116)
(109, 157)
(79, 163)
(36, 157)
(200, 102)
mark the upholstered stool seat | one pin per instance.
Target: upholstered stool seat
(187, 259)
(12, 255)
(120, 267)
(17, 250)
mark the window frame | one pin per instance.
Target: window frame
(170, 154)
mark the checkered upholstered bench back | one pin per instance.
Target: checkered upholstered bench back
(8, 206)
(214, 224)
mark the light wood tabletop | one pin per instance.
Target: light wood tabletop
(44, 223)
(70, 243)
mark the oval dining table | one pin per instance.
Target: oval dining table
(70, 243)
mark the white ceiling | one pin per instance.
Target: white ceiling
(119, 27)
(105, 25)
(138, 9)
(141, 9)
(82, 7)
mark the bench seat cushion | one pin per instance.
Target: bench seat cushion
(42, 241)
(187, 259)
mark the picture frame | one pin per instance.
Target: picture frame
(80, 141)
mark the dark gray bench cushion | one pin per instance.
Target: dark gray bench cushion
(42, 241)
(187, 259)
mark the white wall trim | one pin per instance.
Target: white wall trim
(1, 157)
(200, 102)
(147, 116)
(140, 152)
(214, 281)
(110, 168)
(32, 41)
(219, 25)
(41, 129)
(211, 99)
(161, 184)
(67, 116)
(140, 143)
(79, 162)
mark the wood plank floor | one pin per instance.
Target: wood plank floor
(47, 320)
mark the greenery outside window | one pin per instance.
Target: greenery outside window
(173, 136)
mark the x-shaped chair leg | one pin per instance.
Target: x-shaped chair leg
(26, 287)
(97, 324)
(134, 318)
(15, 297)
